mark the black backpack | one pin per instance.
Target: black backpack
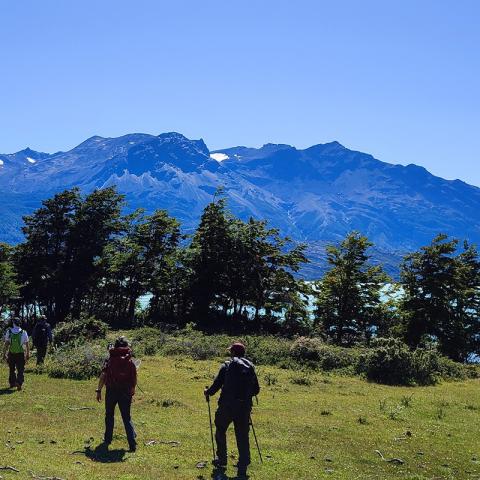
(239, 379)
(41, 334)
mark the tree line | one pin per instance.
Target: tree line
(83, 257)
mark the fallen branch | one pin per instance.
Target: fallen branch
(40, 477)
(75, 409)
(397, 461)
(7, 467)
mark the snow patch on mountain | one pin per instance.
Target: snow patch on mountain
(219, 157)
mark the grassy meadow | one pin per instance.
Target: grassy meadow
(310, 425)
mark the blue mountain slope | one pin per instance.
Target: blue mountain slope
(315, 195)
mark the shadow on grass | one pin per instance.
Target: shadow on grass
(102, 454)
(220, 474)
(6, 391)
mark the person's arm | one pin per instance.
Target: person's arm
(26, 349)
(25, 345)
(101, 383)
(256, 385)
(6, 346)
(34, 333)
(217, 383)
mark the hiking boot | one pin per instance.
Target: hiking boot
(19, 387)
(242, 473)
(219, 464)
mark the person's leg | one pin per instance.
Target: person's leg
(241, 423)
(110, 402)
(125, 404)
(20, 365)
(12, 376)
(41, 352)
(223, 419)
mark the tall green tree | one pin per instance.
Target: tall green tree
(209, 260)
(348, 303)
(8, 285)
(63, 240)
(141, 261)
(442, 297)
(237, 267)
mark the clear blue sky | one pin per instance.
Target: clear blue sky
(396, 78)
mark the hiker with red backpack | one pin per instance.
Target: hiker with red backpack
(16, 352)
(239, 383)
(119, 375)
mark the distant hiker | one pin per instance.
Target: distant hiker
(119, 374)
(41, 337)
(239, 383)
(16, 352)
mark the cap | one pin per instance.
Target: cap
(237, 349)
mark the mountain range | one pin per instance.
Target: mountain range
(315, 195)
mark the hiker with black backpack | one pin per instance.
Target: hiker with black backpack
(16, 352)
(119, 375)
(239, 383)
(42, 337)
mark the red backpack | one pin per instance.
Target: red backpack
(121, 372)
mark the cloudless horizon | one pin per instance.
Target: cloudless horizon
(399, 80)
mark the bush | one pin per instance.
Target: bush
(195, 345)
(268, 350)
(301, 379)
(147, 341)
(450, 370)
(306, 348)
(87, 328)
(314, 352)
(391, 362)
(79, 362)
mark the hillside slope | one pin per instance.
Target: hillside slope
(331, 428)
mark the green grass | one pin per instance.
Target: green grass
(325, 427)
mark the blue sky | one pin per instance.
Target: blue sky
(399, 79)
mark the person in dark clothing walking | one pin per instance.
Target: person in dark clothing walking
(119, 374)
(239, 383)
(16, 352)
(41, 337)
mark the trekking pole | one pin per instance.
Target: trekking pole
(256, 440)
(211, 428)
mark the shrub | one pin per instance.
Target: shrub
(86, 328)
(79, 362)
(450, 370)
(268, 350)
(196, 345)
(301, 379)
(147, 341)
(391, 362)
(306, 348)
(313, 352)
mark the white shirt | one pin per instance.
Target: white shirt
(14, 330)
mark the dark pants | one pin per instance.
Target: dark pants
(124, 400)
(240, 416)
(41, 353)
(16, 364)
